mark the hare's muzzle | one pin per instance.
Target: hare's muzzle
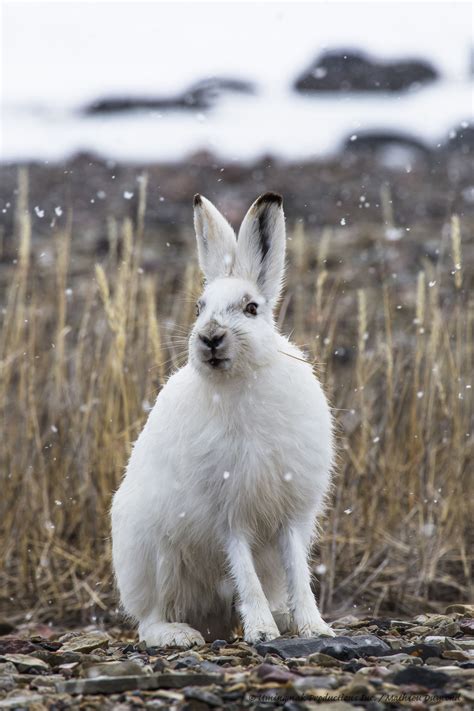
(213, 347)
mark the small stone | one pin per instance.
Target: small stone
(424, 651)
(420, 676)
(466, 626)
(217, 644)
(115, 668)
(86, 642)
(25, 662)
(203, 695)
(305, 683)
(5, 626)
(16, 645)
(464, 610)
(271, 672)
(458, 655)
(401, 658)
(22, 701)
(322, 660)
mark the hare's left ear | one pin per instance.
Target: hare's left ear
(215, 240)
(261, 245)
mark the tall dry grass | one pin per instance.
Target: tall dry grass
(82, 359)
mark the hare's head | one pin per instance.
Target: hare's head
(234, 331)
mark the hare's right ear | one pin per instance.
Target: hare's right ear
(216, 241)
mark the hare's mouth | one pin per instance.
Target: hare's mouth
(218, 363)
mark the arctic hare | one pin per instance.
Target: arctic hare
(225, 482)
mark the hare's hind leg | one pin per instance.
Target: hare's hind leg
(163, 625)
(147, 584)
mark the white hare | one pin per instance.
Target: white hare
(225, 483)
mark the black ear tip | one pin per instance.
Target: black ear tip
(197, 200)
(268, 198)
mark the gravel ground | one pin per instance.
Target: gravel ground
(373, 664)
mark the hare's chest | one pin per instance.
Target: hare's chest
(255, 479)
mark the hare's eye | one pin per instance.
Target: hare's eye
(198, 308)
(251, 308)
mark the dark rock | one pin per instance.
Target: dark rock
(342, 648)
(187, 662)
(6, 627)
(420, 676)
(15, 645)
(424, 651)
(217, 644)
(199, 96)
(356, 71)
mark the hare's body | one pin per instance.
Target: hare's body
(223, 490)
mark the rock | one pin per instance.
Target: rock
(357, 689)
(420, 676)
(347, 621)
(5, 627)
(115, 668)
(207, 697)
(323, 660)
(424, 651)
(86, 642)
(342, 648)
(25, 662)
(401, 659)
(201, 95)
(466, 626)
(272, 672)
(22, 701)
(303, 684)
(119, 684)
(356, 71)
(16, 645)
(458, 655)
(464, 610)
(218, 644)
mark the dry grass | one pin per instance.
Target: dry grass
(82, 358)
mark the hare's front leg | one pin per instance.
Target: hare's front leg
(254, 609)
(294, 544)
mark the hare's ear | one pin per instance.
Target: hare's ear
(215, 240)
(261, 245)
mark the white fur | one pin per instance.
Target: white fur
(227, 479)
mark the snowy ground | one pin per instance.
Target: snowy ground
(59, 57)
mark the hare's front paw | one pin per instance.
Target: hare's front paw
(171, 634)
(314, 628)
(261, 632)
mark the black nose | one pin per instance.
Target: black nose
(213, 342)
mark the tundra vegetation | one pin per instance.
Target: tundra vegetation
(87, 343)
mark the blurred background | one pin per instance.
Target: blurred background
(158, 81)
(113, 115)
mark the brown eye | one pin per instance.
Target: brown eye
(251, 308)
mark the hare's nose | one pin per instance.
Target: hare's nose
(213, 342)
